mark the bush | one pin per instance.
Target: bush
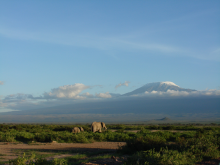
(162, 157)
(7, 137)
(155, 150)
(36, 161)
(143, 143)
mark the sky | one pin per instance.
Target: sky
(77, 49)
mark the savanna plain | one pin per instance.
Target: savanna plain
(163, 144)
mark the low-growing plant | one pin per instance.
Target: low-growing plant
(162, 157)
(202, 146)
(6, 137)
(143, 143)
(31, 160)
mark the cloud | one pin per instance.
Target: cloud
(71, 94)
(100, 42)
(87, 95)
(86, 40)
(62, 92)
(211, 92)
(104, 95)
(1, 82)
(19, 97)
(66, 91)
(126, 83)
(57, 96)
(2, 104)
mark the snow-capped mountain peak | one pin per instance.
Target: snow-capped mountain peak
(168, 83)
(158, 86)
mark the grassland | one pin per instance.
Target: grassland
(172, 144)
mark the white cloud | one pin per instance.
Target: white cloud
(126, 83)
(69, 94)
(6, 109)
(211, 92)
(1, 82)
(177, 93)
(66, 91)
(58, 96)
(104, 95)
(87, 94)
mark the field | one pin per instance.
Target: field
(120, 144)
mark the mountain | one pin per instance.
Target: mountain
(126, 109)
(164, 119)
(115, 94)
(123, 109)
(158, 86)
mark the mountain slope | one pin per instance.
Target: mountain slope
(158, 86)
(164, 119)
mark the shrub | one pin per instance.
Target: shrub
(6, 137)
(162, 157)
(36, 161)
(143, 143)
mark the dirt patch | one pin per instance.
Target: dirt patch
(8, 150)
(210, 162)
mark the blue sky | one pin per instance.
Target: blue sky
(48, 44)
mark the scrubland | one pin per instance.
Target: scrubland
(171, 144)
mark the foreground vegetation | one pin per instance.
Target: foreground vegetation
(80, 157)
(173, 148)
(190, 145)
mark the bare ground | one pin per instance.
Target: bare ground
(210, 162)
(13, 150)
